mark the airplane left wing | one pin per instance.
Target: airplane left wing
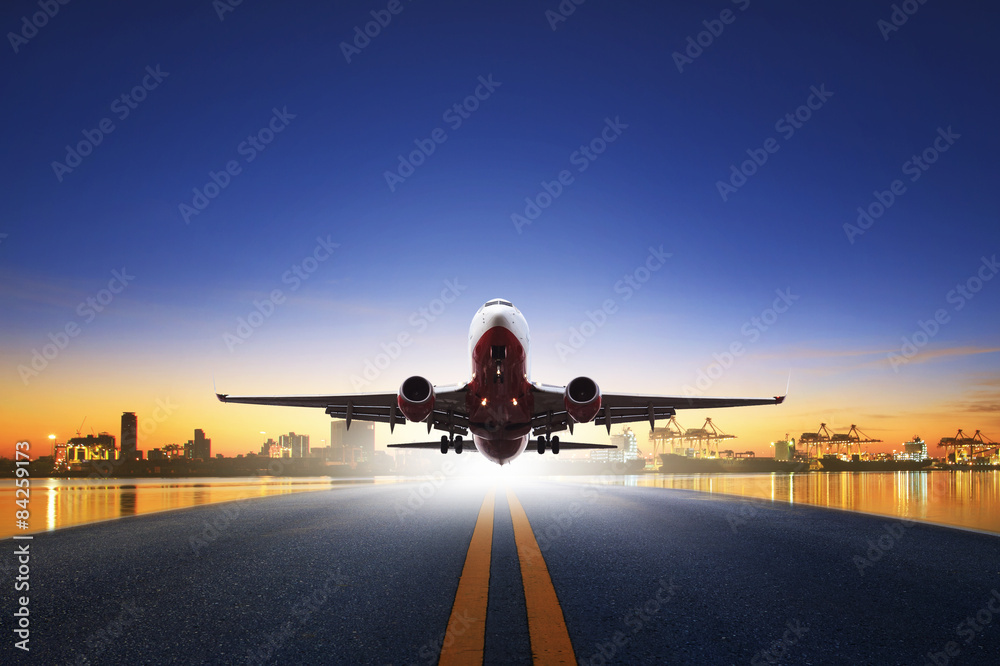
(448, 414)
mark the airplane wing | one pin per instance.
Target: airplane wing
(448, 415)
(551, 416)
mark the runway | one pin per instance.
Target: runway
(401, 573)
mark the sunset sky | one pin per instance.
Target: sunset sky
(253, 165)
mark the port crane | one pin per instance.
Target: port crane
(823, 438)
(673, 436)
(978, 445)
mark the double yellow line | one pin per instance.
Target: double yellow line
(466, 634)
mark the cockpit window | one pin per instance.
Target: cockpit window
(498, 301)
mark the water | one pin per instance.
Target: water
(964, 499)
(57, 503)
(960, 499)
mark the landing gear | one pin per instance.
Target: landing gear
(551, 442)
(457, 441)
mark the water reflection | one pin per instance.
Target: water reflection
(57, 503)
(960, 498)
(127, 501)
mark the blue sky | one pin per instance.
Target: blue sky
(656, 184)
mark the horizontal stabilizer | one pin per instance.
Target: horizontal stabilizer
(418, 445)
(566, 446)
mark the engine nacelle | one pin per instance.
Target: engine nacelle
(416, 398)
(582, 399)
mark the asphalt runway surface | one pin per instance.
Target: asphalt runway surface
(394, 573)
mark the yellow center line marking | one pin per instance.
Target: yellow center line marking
(466, 634)
(550, 643)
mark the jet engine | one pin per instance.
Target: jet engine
(416, 398)
(583, 399)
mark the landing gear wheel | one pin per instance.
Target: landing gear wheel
(444, 444)
(555, 446)
(458, 444)
(541, 445)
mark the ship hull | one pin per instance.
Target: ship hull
(672, 463)
(838, 465)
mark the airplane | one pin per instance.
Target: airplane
(499, 405)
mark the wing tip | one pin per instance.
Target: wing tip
(778, 399)
(222, 396)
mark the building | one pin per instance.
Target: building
(265, 448)
(354, 445)
(129, 435)
(294, 446)
(91, 447)
(202, 447)
(626, 448)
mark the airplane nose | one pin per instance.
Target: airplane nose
(493, 320)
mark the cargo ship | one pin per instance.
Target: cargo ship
(671, 463)
(834, 464)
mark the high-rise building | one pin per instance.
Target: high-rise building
(294, 446)
(202, 447)
(354, 445)
(129, 435)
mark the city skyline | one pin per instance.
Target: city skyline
(677, 198)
